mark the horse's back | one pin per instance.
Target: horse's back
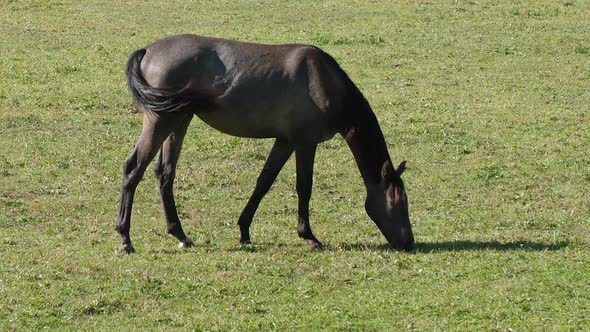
(288, 91)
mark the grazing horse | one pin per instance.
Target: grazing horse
(297, 94)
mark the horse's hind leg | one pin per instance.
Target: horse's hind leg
(280, 153)
(165, 173)
(156, 128)
(305, 156)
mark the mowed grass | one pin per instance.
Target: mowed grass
(487, 100)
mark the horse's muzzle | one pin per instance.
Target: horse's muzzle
(405, 242)
(408, 246)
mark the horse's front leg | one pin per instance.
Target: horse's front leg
(165, 173)
(280, 153)
(305, 156)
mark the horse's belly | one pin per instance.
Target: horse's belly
(267, 125)
(241, 125)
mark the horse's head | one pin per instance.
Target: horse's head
(387, 205)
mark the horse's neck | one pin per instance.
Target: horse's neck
(368, 146)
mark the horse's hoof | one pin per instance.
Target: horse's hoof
(186, 243)
(245, 241)
(126, 249)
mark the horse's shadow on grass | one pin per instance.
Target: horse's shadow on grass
(461, 245)
(422, 247)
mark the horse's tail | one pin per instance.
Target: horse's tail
(161, 99)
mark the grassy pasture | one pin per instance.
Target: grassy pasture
(487, 100)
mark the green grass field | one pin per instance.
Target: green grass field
(487, 100)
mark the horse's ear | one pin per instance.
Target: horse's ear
(387, 170)
(401, 168)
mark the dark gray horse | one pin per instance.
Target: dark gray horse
(296, 94)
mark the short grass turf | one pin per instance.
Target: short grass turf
(487, 100)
